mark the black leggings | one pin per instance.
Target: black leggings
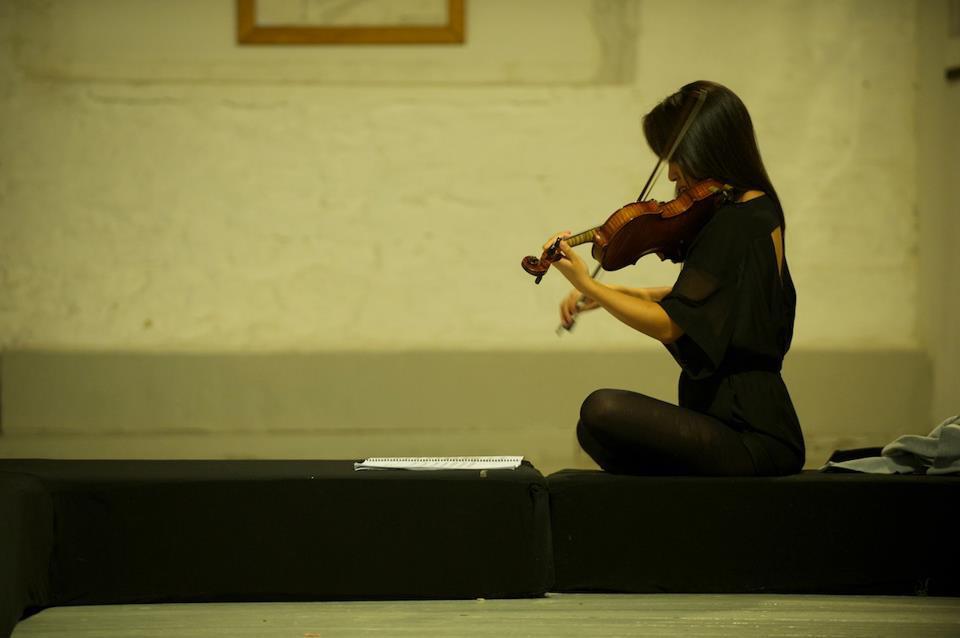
(630, 433)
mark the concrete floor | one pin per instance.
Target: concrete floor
(557, 615)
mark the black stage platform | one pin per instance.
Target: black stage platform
(203, 531)
(807, 533)
(98, 532)
(26, 546)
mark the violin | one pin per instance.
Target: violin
(642, 228)
(646, 226)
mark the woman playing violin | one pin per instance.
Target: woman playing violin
(727, 321)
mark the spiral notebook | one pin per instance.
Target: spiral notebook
(440, 463)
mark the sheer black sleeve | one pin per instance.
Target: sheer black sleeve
(703, 301)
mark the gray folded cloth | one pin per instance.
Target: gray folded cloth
(936, 453)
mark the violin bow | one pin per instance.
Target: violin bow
(693, 110)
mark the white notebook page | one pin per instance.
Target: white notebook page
(440, 463)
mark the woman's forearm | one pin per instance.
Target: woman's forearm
(647, 294)
(637, 308)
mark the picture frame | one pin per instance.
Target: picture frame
(249, 32)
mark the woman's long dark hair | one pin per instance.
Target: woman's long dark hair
(720, 143)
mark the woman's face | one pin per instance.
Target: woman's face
(675, 174)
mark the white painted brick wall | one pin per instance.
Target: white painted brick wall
(161, 188)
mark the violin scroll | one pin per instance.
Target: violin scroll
(538, 266)
(643, 228)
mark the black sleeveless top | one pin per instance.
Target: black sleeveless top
(737, 316)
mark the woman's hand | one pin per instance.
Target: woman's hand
(572, 305)
(570, 264)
